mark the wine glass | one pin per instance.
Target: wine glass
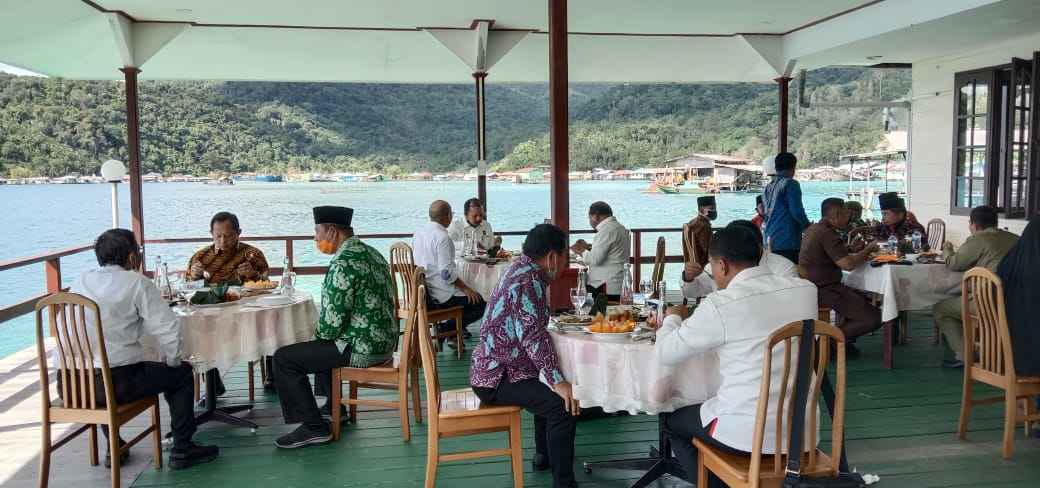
(187, 294)
(586, 306)
(578, 299)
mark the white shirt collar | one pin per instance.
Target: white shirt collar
(605, 221)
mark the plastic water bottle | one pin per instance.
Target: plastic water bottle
(893, 244)
(626, 286)
(916, 236)
(583, 279)
(157, 274)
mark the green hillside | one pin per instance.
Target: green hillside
(53, 127)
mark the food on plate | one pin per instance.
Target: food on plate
(616, 323)
(217, 294)
(886, 258)
(571, 319)
(260, 285)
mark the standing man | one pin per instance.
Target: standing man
(699, 230)
(515, 349)
(760, 213)
(609, 252)
(434, 250)
(473, 226)
(785, 215)
(131, 306)
(356, 327)
(823, 257)
(227, 259)
(986, 247)
(894, 221)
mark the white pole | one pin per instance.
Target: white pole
(115, 204)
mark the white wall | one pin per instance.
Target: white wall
(931, 151)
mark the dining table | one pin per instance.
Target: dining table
(481, 274)
(623, 374)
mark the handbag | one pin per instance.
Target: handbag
(794, 478)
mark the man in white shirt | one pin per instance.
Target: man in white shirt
(734, 323)
(473, 226)
(609, 252)
(433, 249)
(132, 307)
(696, 283)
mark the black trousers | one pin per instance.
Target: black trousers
(790, 254)
(141, 380)
(684, 425)
(554, 426)
(471, 312)
(860, 315)
(293, 364)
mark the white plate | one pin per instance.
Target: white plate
(610, 336)
(273, 300)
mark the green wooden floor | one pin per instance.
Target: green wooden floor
(901, 427)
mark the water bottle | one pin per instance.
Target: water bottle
(157, 274)
(467, 243)
(166, 288)
(917, 241)
(626, 286)
(893, 244)
(583, 279)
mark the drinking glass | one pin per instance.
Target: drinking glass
(578, 299)
(187, 294)
(586, 306)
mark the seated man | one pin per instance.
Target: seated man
(433, 249)
(699, 231)
(760, 213)
(227, 259)
(609, 252)
(131, 307)
(734, 322)
(855, 219)
(823, 257)
(356, 327)
(473, 226)
(986, 247)
(515, 348)
(894, 221)
(697, 284)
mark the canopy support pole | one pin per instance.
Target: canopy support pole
(783, 85)
(558, 120)
(133, 149)
(478, 79)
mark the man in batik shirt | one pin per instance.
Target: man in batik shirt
(227, 259)
(896, 221)
(356, 327)
(515, 348)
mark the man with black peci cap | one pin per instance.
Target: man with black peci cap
(699, 231)
(356, 327)
(894, 219)
(785, 216)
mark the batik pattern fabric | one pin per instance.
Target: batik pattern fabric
(222, 266)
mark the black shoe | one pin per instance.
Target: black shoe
(326, 412)
(123, 456)
(192, 454)
(851, 351)
(303, 436)
(953, 363)
(540, 462)
(466, 334)
(269, 386)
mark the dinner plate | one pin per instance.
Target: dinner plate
(215, 305)
(273, 300)
(273, 285)
(610, 336)
(572, 320)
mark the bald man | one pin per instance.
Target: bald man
(433, 249)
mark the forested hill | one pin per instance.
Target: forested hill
(54, 127)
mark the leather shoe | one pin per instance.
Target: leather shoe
(540, 462)
(952, 363)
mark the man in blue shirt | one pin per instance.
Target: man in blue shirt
(785, 216)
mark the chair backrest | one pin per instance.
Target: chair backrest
(789, 336)
(75, 351)
(402, 265)
(688, 252)
(429, 362)
(986, 327)
(936, 234)
(407, 351)
(863, 231)
(658, 273)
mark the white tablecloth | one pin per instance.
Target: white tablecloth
(916, 287)
(626, 375)
(221, 337)
(481, 277)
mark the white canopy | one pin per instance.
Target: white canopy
(440, 41)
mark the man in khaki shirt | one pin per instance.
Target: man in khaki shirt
(985, 248)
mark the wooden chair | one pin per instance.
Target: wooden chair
(761, 470)
(384, 377)
(75, 358)
(986, 338)
(459, 413)
(402, 265)
(658, 274)
(936, 234)
(689, 253)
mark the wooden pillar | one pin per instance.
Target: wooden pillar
(133, 149)
(783, 86)
(478, 80)
(558, 119)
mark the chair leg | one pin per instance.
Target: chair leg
(432, 458)
(416, 396)
(962, 424)
(198, 390)
(353, 406)
(45, 452)
(113, 449)
(157, 436)
(92, 440)
(516, 453)
(402, 411)
(252, 365)
(459, 326)
(1010, 415)
(702, 472)
(1030, 412)
(335, 400)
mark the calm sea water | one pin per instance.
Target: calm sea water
(45, 217)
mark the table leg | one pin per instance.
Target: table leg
(886, 340)
(659, 463)
(221, 414)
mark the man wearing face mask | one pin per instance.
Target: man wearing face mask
(785, 215)
(734, 322)
(356, 327)
(515, 349)
(699, 231)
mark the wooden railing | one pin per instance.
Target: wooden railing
(52, 260)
